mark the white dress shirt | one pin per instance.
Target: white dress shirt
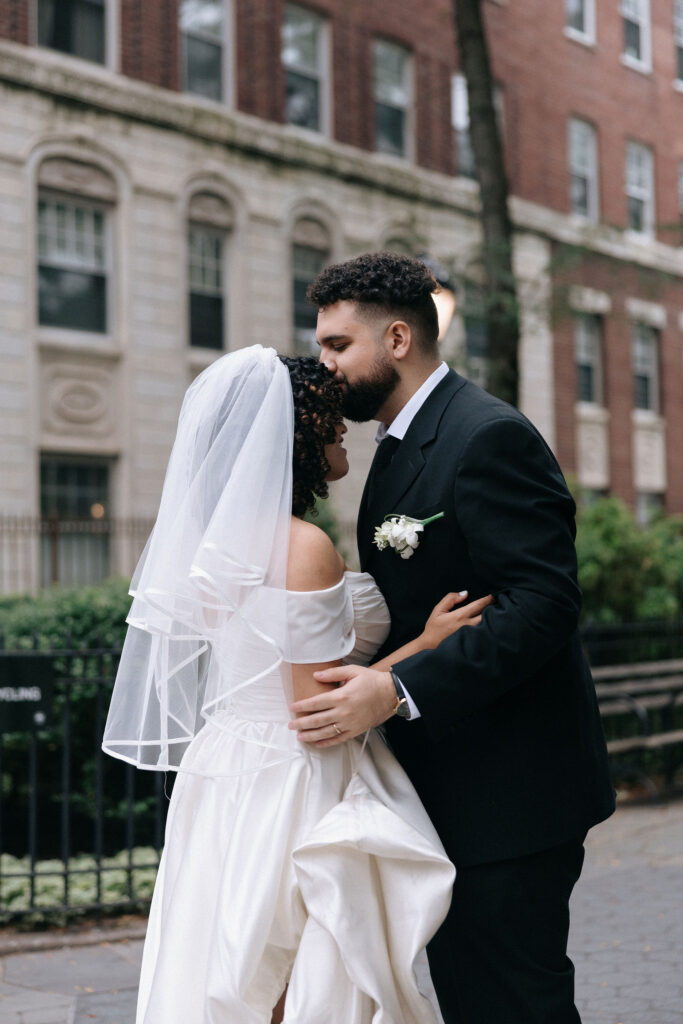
(398, 428)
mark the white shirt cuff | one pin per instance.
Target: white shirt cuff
(412, 706)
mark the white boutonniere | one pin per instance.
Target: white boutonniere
(402, 533)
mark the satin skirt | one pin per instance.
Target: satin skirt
(321, 872)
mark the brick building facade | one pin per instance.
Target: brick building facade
(173, 173)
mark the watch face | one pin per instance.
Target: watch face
(402, 709)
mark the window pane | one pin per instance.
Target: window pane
(575, 15)
(679, 63)
(389, 129)
(206, 320)
(301, 40)
(632, 46)
(203, 17)
(74, 490)
(585, 383)
(579, 195)
(390, 74)
(203, 68)
(306, 265)
(74, 498)
(302, 102)
(71, 299)
(642, 395)
(205, 261)
(73, 26)
(636, 214)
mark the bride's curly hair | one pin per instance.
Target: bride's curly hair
(317, 411)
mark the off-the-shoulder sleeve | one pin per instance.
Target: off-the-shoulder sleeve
(320, 624)
(371, 618)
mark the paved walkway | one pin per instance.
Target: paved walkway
(627, 940)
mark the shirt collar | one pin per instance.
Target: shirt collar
(399, 427)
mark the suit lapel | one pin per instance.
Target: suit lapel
(407, 462)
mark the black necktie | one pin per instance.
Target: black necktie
(386, 450)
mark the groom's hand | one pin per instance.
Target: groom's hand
(365, 698)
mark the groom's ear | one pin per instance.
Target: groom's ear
(400, 339)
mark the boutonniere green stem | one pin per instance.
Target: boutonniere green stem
(402, 533)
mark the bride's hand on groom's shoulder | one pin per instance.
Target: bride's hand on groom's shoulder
(446, 619)
(364, 698)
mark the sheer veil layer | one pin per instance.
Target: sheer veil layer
(209, 616)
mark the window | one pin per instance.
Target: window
(393, 97)
(310, 252)
(635, 15)
(74, 504)
(73, 26)
(588, 355)
(476, 334)
(303, 57)
(648, 504)
(202, 26)
(678, 37)
(72, 264)
(205, 275)
(680, 199)
(583, 169)
(645, 362)
(460, 117)
(579, 19)
(640, 188)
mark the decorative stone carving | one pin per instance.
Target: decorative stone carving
(70, 175)
(651, 313)
(209, 208)
(589, 300)
(77, 400)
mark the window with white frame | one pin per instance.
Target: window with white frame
(73, 263)
(579, 19)
(583, 169)
(203, 27)
(460, 119)
(635, 16)
(311, 250)
(74, 507)
(393, 97)
(77, 27)
(645, 363)
(648, 505)
(678, 38)
(588, 356)
(640, 189)
(305, 63)
(205, 271)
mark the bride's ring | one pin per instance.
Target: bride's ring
(336, 729)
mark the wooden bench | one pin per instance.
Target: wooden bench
(652, 692)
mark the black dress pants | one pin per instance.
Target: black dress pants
(501, 955)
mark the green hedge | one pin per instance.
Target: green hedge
(118, 884)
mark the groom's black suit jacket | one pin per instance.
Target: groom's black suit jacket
(509, 756)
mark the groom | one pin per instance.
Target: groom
(498, 727)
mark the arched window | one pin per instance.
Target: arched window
(75, 204)
(210, 222)
(311, 250)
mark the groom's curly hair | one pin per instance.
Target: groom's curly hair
(317, 411)
(383, 284)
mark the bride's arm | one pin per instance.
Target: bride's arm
(442, 623)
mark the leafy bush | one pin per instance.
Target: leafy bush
(629, 573)
(119, 883)
(91, 616)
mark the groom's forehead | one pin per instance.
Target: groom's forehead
(343, 320)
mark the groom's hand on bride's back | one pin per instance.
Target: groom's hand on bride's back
(366, 699)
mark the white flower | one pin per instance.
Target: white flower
(399, 532)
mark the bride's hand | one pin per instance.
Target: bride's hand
(444, 621)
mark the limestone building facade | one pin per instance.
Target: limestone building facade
(172, 175)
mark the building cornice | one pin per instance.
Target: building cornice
(72, 81)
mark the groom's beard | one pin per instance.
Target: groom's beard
(362, 399)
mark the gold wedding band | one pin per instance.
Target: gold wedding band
(336, 729)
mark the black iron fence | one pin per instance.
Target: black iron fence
(81, 831)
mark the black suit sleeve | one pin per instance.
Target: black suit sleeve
(517, 518)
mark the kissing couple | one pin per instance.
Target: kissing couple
(385, 777)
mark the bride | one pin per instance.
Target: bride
(294, 881)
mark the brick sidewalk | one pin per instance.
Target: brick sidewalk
(626, 942)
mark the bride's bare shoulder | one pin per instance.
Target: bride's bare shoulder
(313, 562)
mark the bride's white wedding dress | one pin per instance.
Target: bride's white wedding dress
(321, 871)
